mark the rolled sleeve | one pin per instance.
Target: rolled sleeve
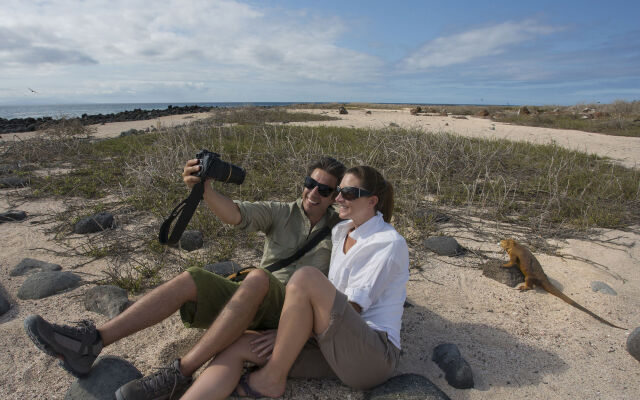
(360, 296)
(256, 216)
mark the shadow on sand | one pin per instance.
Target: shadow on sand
(497, 358)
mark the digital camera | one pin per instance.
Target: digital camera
(213, 167)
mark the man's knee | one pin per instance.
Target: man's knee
(257, 281)
(187, 285)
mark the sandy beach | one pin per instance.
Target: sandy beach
(519, 345)
(114, 129)
(625, 150)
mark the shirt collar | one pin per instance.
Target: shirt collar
(323, 221)
(371, 226)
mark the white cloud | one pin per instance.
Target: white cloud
(467, 46)
(206, 37)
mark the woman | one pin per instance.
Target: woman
(354, 314)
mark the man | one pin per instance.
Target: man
(205, 300)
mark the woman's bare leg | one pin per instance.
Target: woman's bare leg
(307, 308)
(233, 320)
(221, 376)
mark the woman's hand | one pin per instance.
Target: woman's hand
(263, 345)
(187, 174)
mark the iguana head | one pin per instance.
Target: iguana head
(507, 244)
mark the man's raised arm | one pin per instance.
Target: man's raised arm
(223, 207)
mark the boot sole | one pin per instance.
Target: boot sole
(119, 395)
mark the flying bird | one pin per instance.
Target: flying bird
(33, 90)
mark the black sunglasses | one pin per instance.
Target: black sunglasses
(352, 193)
(323, 190)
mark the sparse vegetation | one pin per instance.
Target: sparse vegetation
(134, 276)
(65, 128)
(549, 191)
(262, 115)
(619, 118)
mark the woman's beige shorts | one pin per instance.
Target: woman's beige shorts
(358, 355)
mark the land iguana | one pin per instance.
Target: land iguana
(534, 275)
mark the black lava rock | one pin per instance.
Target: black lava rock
(30, 265)
(95, 223)
(191, 240)
(15, 125)
(223, 268)
(13, 182)
(106, 376)
(106, 300)
(45, 284)
(444, 246)
(131, 132)
(509, 276)
(13, 215)
(633, 343)
(5, 305)
(432, 216)
(457, 370)
(407, 387)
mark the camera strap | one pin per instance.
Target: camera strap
(183, 211)
(310, 244)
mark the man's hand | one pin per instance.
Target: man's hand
(187, 174)
(222, 206)
(263, 345)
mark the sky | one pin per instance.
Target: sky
(427, 52)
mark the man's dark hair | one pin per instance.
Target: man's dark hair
(329, 165)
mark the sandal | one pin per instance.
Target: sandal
(248, 391)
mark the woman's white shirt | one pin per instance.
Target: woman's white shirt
(373, 273)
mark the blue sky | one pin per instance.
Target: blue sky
(489, 52)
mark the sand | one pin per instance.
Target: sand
(114, 129)
(625, 150)
(519, 345)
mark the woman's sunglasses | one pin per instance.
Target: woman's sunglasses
(352, 193)
(323, 190)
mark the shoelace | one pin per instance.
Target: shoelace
(83, 327)
(164, 374)
(85, 333)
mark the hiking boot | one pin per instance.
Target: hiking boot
(168, 383)
(76, 346)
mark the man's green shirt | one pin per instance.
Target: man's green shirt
(287, 228)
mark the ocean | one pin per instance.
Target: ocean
(76, 110)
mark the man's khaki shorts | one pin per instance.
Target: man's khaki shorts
(358, 355)
(214, 291)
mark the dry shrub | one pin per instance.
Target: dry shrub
(67, 128)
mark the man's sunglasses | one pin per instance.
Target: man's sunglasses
(352, 193)
(323, 190)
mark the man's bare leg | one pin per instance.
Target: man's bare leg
(166, 299)
(152, 308)
(230, 324)
(307, 308)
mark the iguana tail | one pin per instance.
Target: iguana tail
(548, 286)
